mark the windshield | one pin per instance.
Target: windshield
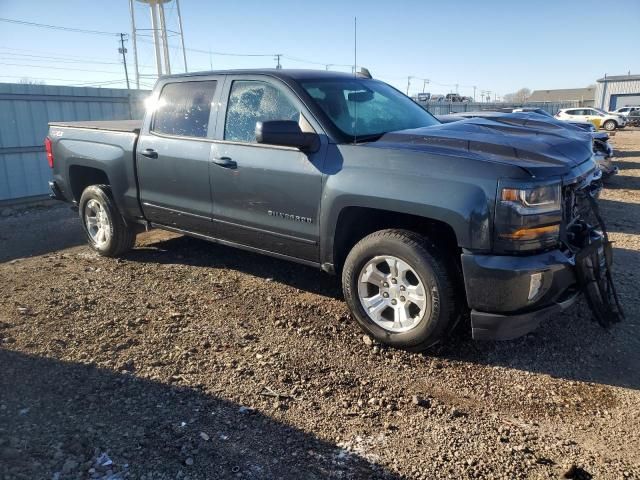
(365, 109)
(601, 111)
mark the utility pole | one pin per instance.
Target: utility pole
(408, 84)
(277, 57)
(123, 51)
(474, 94)
(457, 85)
(425, 81)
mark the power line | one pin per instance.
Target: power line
(51, 58)
(58, 68)
(56, 27)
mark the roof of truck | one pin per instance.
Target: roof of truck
(294, 74)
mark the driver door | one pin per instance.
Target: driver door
(264, 196)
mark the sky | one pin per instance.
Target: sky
(495, 45)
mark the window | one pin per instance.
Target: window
(364, 108)
(183, 109)
(251, 102)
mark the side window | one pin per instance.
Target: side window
(184, 108)
(251, 102)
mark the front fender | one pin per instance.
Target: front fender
(448, 191)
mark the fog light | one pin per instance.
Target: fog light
(534, 285)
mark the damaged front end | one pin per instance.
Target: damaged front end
(546, 255)
(586, 237)
(603, 154)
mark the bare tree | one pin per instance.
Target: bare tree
(521, 96)
(31, 81)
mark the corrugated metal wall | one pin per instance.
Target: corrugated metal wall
(604, 91)
(444, 108)
(25, 111)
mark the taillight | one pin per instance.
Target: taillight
(49, 150)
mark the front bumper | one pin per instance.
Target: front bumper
(510, 295)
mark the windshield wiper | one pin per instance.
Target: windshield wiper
(369, 138)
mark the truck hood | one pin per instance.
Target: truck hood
(539, 146)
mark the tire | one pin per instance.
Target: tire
(106, 230)
(374, 254)
(610, 125)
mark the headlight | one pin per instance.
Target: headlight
(528, 216)
(531, 201)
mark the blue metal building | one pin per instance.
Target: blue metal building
(25, 111)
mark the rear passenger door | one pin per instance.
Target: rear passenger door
(173, 155)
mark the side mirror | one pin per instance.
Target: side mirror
(286, 133)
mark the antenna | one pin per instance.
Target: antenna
(355, 66)
(355, 45)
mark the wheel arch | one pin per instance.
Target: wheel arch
(81, 176)
(356, 222)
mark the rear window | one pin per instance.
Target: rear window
(184, 108)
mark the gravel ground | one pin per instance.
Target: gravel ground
(190, 360)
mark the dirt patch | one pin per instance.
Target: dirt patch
(191, 360)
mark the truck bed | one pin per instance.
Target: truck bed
(132, 126)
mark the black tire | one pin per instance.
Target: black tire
(433, 271)
(610, 125)
(122, 237)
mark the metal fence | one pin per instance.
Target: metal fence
(444, 108)
(25, 111)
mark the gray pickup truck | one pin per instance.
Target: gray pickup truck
(427, 223)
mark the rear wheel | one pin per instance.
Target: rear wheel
(610, 125)
(398, 287)
(106, 230)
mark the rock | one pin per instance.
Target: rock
(367, 340)
(204, 436)
(455, 413)
(189, 461)
(6, 212)
(245, 410)
(420, 402)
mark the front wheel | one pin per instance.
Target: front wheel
(398, 287)
(610, 125)
(106, 230)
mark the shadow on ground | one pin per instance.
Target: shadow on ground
(59, 416)
(39, 231)
(570, 345)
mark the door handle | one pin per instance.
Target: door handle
(225, 162)
(149, 153)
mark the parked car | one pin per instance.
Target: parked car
(599, 118)
(633, 119)
(423, 221)
(424, 97)
(624, 111)
(602, 150)
(436, 97)
(466, 99)
(453, 97)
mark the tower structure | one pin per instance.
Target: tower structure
(160, 27)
